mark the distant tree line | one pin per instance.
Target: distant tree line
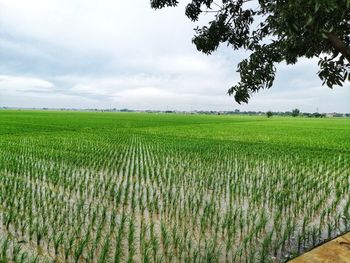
(294, 112)
(298, 113)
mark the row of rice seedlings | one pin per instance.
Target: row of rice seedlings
(12, 251)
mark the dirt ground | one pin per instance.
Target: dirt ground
(334, 251)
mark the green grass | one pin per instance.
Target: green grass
(139, 187)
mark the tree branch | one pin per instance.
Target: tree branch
(339, 45)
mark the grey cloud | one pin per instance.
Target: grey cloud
(101, 56)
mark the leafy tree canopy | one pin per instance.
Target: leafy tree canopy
(295, 112)
(269, 114)
(274, 31)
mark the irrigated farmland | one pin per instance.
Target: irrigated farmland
(132, 187)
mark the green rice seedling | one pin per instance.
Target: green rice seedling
(23, 257)
(146, 253)
(4, 249)
(57, 242)
(165, 239)
(155, 246)
(78, 252)
(34, 259)
(41, 231)
(68, 247)
(105, 251)
(329, 230)
(266, 244)
(131, 240)
(118, 254)
(211, 252)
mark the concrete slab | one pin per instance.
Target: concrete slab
(334, 251)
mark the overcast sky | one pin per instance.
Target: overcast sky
(123, 54)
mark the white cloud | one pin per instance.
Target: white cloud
(15, 84)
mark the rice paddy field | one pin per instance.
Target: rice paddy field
(138, 187)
